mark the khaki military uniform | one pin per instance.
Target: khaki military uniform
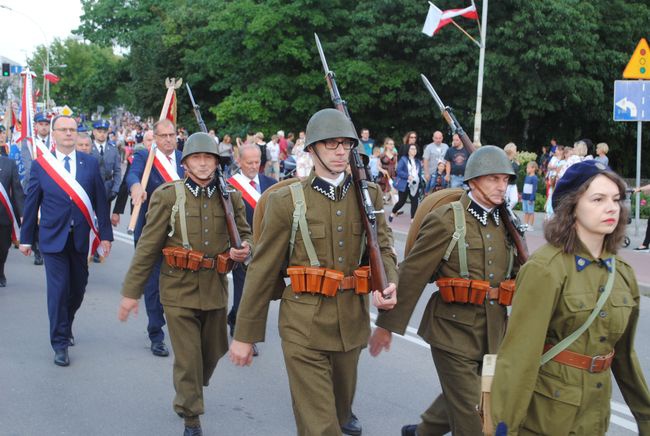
(195, 303)
(321, 336)
(554, 299)
(459, 334)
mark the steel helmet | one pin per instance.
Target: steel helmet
(488, 159)
(200, 143)
(329, 123)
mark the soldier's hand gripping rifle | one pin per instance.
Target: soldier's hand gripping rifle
(231, 224)
(513, 224)
(378, 280)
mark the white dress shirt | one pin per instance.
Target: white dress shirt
(73, 161)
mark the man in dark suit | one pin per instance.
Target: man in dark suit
(251, 184)
(63, 229)
(14, 199)
(165, 138)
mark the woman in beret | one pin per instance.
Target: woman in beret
(574, 318)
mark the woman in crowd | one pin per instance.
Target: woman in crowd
(574, 316)
(407, 182)
(601, 153)
(554, 167)
(225, 149)
(411, 138)
(388, 159)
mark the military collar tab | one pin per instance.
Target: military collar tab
(583, 262)
(481, 214)
(197, 190)
(330, 191)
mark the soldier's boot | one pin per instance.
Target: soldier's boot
(352, 427)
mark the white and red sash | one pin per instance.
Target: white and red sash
(6, 203)
(165, 167)
(243, 184)
(55, 169)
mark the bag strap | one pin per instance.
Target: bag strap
(458, 238)
(300, 220)
(564, 343)
(179, 207)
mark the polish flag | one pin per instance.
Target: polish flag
(437, 19)
(51, 77)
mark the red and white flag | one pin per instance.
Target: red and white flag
(51, 77)
(437, 19)
(27, 110)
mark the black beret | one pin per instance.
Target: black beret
(575, 176)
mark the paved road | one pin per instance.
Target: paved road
(114, 385)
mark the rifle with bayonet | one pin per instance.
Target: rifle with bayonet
(378, 279)
(513, 224)
(226, 202)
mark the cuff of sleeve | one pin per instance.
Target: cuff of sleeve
(250, 331)
(132, 293)
(387, 324)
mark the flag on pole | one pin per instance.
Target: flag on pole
(51, 77)
(27, 110)
(171, 110)
(437, 19)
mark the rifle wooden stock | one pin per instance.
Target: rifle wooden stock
(379, 280)
(224, 195)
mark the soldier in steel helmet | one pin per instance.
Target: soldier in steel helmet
(186, 222)
(324, 323)
(463, 246)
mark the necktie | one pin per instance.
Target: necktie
(169, 158)
(254, 185)
(66, 163)
(101, 150)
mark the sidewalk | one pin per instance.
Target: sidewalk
(638, 260)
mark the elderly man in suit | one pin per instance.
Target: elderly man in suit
(167, 167)
(251, 184)
(11, 210)
(64, 227)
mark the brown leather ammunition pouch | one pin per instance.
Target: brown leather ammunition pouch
(361, 277)
(458, 290)
(193, 260)
(224, 263)
(506, 292)
(319, 280)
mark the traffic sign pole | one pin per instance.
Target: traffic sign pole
(638, 177)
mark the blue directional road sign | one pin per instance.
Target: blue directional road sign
(632, 100)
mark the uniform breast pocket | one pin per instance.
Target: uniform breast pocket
(579, 307)
(219, 221)
(193, 219)
(622, 304)
(317, 236)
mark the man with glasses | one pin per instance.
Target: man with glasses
(324, 323)
(168, 158)
(64, 228)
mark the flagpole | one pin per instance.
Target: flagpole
(481, 65)
(466, 34)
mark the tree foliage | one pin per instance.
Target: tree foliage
(253, 65)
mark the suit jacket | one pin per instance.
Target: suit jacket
(109, 165)
(58, 210)
(265, 183)
(155, 179)
(11, 182)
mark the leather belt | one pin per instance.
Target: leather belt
(593, 364)
(208, 263)
(493, 293)
(348, 282)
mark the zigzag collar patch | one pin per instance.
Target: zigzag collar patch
(481, 214)
(196, 190)
(330, 191)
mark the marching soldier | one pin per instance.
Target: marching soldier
(324, 321)
(466, 318)
(186, 222)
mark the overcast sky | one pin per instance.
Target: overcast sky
(31, 23)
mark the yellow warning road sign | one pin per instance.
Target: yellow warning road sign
(66, 110)
(639, 65)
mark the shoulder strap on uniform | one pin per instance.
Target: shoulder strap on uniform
(179, 206)
(458, 238)
(300, 219)
(564, 343)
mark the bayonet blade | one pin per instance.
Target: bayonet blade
(322, 54)
(189, 91)
(433, 92)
